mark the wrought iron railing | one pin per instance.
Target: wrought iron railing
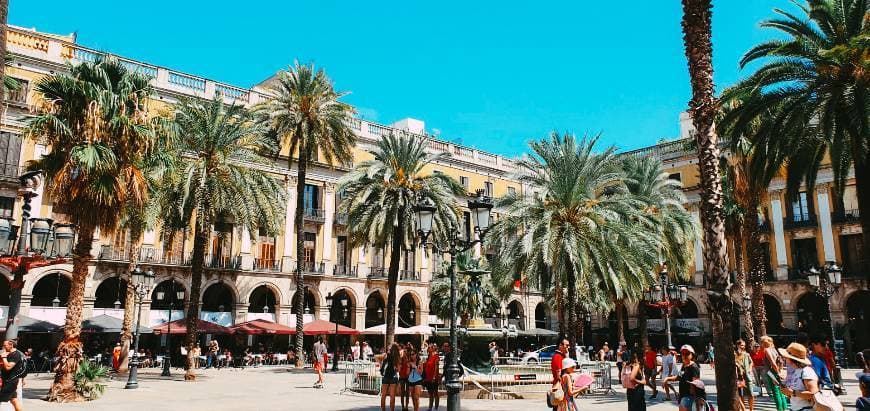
(409, 275)
(264, 264)
(377, 272)
(800, 221)
(314, 214)
(313, 267)
(846, 216)
(344, 270)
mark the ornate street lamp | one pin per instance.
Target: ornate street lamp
(481, 208)
(825, 284)
(666, 295)
(142, 281)
(340, 309)
(168, 297)
(39, 242)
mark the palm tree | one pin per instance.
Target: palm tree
(735, 196)
(578, 232)
(220, 178)
(481, 298)
(697, 33)
(815, 79)
(663, 200)
(306, 113)
(380, 195)
(94, 119)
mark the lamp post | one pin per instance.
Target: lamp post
(585, 318)
(666, 295)
(170, 297)
(26, 247)
(826, 286)
(142, 281)
(342, 302)
(480, 207)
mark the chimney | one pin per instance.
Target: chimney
(411, 125)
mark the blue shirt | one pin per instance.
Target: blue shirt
(821, 370)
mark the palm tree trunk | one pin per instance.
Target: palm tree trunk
(299, 276)
(572, 309)
(741, 280)
(197, 268)
(620, 321)
(641, 323)
(757, 268)
(560, 305)
(862, 190)
(129, 300)
(697, 34)
(69, 352)
(392, 280)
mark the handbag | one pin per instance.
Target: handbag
(825, 400)
(414, 377)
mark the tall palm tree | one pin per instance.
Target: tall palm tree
(380, 195)
(734, 197)
(579, 231)
(94, 119)
(697, 34)
(306, 113)
(220, 178)
(662, 199)
(815, 78)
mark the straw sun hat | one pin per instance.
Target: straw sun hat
(795, 352)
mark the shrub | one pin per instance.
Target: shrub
(88, 380)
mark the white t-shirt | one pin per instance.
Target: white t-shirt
(354, 352)
(795, 381)
(668, 366)
(319, 351)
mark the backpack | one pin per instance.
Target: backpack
(625, 378)
(557, 395)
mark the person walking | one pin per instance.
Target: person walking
(320, 353)
(431, 376)
(556, 362)
(567, 378)
(355, 351)
(711, 355)
(689, 373)
(116, 357)
(801, 381)
(390, 376)
(633, 381)
(745, 385)
(404, 372)
(772, 371)
(650, 369)
(12, 371)
(758, 367)
(620, 361)
(213, 350)
(817, 361)
(668, 370)
(415, 376)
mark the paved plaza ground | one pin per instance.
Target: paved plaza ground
(277, 388)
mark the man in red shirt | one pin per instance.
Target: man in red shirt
(650, 369)
(556, 362)
(431, 377)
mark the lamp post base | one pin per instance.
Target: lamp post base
(454, 390)
(166, 372)
(132, 381)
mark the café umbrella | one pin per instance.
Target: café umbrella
(180, 327)
(319, 327)
(260, 327)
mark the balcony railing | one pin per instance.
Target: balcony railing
(377, 272)
(10, 172)
(341, 218)
(409, 275)
(223, 262)
(153, 255)
(846, 216)
(344, 270)
(800, 221)
(313, 267)
(110, 253)
(317, 215)
(263, 264)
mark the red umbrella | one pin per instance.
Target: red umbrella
(180, 327)
(260, 326)
(318, 327)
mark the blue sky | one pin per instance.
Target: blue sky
(487, 74)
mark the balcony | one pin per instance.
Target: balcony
(409, 275)
(315, 215)
(377, 272)
(846, 217)
(110, 253)
(223, 262)
(344, 271)
(341, 219)
(313, 267)
(800, 221)
(10, 172)
(153, 255)
(267, 265)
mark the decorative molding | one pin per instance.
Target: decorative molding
(851, 229)
(802, 234)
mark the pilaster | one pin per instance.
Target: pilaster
(289, 228)
(825, 221)
(329, 215)
(778, 235)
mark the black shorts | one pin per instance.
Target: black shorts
(387, 381)
(9, 390)
(431, 386)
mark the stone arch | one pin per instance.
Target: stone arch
(408, 312)
(6, 272)
(36, 274)
(312, 303)
(350, 293)
(812, 313)
(340, 313)
(541, 315)
(857, 308)
(773, 313)
(111, 290)
(231, 286)
(688, 310)
(166, 287)
(264, 298)
(49, 286)
(516, 314)
(217, 294)
(376, 307)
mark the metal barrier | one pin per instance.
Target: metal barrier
(518, 380)
(363, 377)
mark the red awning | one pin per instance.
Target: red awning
(180, 327)
(260, 326)
(318, 327)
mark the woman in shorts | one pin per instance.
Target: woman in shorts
(390, 376)
(414, 380)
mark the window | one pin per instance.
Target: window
(800, 208)
(10, 153)
(512, 191)
(466, 224)
(378, 258)
(487, 188)
(19, 95)
(804, 254)
(310, 241)
(265, 249)
(311, 197)
(341, 251)
(850, 198)
(7, 205)
(675, 176)
(464, 181)
(853, 255)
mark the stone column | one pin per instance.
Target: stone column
(362, 268)
(825, 222)
(328, 215)
(289, 228)
(699, 251)
(245, 251)
(240, 313)
(778, 235)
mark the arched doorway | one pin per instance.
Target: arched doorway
(515, 315)
(541, 316)
(217, 304)
(50, 297)
(375, 307)
(858, 317)
(263, 304)
(408, 311)
(812, 313)
(164, 298)
(4, 291)
(773, 314)
(343, 308)
(612, 333)
(309, 304)
(111, 294)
